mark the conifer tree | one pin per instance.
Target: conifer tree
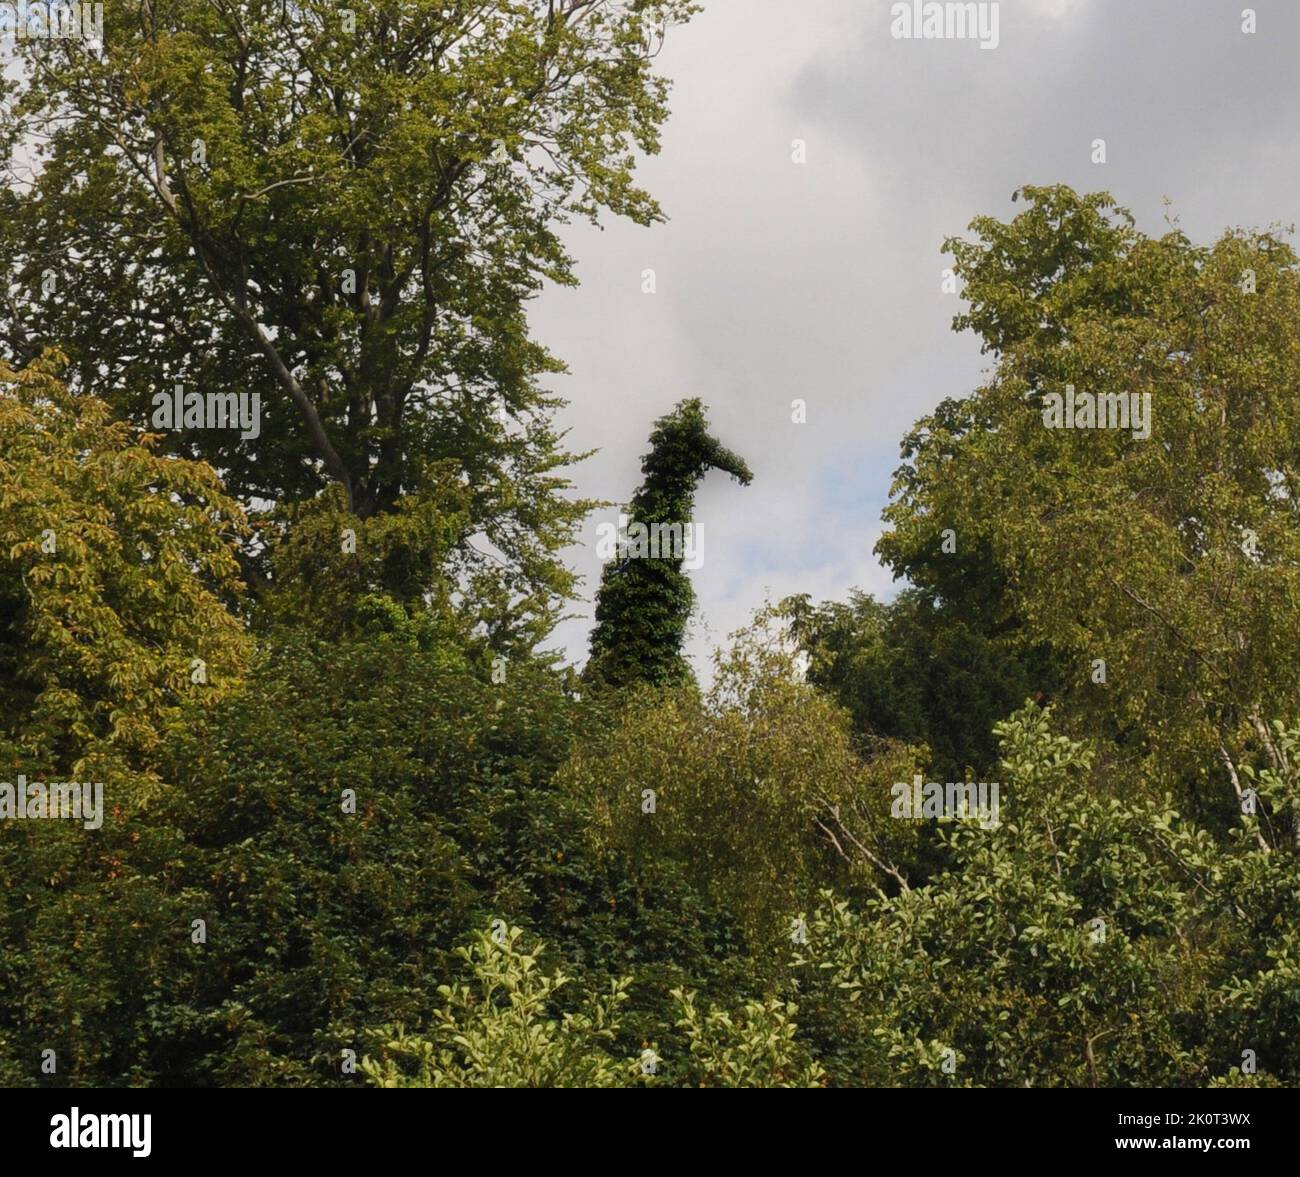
(645, 599)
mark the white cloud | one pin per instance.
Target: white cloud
(822, 280)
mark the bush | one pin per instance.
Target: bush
(1085, 941)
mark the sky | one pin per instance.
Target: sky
(822, 280)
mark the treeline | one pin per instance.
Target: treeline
(360, 826)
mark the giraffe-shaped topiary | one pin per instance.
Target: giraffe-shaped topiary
(644, 602)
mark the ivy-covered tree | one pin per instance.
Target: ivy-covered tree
(645, 598)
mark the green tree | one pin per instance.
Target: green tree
(501, 1031)
(920, 671)
(504, 1028)
(365, 800)
(1083, 941)
(755, 1045)
(344, 212)
(743, 789)
(118, 572)
(645, 598)
(1159, 574)
(118, 582)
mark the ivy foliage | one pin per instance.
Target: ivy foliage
(645, 598)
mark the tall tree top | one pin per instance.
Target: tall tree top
(344, 210)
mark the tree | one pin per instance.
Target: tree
(351, 814)
(745, 789)
(119, 576)
(119, 593)
(501, 1031)
(1085, 941)
(755, 1045)
(920, 671)
(645, 598)
(343, 212)
(1158, 563)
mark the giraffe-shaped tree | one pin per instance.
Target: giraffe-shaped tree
(645, 602)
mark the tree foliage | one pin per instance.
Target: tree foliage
(343, 212)
(499, 1032)
(739, 787)
(1085, 941)
(918, 671)
(1172, 560)
(359, 828)
(118, 572)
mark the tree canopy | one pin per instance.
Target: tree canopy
(1159, 573)
(343, 212)
(360, 827)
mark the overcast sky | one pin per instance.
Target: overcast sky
(822, 281)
